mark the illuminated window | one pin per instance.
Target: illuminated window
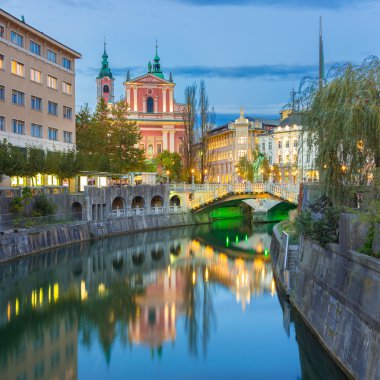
(51, 56)
(1, 61)
(149, 105)
(35, 103)
(66, 63)
(35, 75)
(66, 88)
(18, 98)
(53, 108)
(18, 127)
(67, 112)
(17, 68)
(34, 47)
(242, 153)
(2, 93)
(242, 140)
(52, 82)
(17, 39)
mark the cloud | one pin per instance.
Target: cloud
(326, 4)
(271, 72)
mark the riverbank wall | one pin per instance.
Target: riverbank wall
(337, 293)
(25, 242)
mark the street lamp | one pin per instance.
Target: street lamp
(262, 175)
(206, 179)
(192, 176)
(167, 176)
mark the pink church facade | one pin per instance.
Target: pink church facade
(152, 105)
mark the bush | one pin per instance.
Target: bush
(42, 206)
(324, 230)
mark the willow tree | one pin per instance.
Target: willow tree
(342, 123)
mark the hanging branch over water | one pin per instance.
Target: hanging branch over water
(342, 122)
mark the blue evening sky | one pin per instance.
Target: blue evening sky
(249, 52)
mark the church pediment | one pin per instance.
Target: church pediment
(149, 78)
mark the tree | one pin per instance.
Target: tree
(342, 121)
(172, 162)
(205, 118)
(245, 170)
(35, 162)
(123, 138)
(189, 117)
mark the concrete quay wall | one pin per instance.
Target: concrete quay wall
(30, 241)
(337, 293)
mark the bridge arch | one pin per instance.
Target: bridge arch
(157, 254)
(118, 203)
(138, 202)
(138, 258)
(157, 201)
(175, 201)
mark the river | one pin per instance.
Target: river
(185, 303)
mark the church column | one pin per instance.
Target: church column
(164, 100)
(128, 94)
(165, 140)
(135, 99)
(155, 110)
(171, 100)
(172, 147)
(144, 104)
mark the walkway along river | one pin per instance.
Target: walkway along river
(191, 302)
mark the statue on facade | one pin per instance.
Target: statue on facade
(256, 166)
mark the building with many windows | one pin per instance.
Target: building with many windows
(285, 147)
(228, 143)
(37, 87)
(152, 105)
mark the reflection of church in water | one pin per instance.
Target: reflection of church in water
(152, 106)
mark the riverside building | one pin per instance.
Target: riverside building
(37, 87)
(229, 142)
(152, 106)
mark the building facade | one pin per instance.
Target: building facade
(286, 149)
(152, 106)
(37, 87)
(228, 143)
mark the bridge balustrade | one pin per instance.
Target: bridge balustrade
(118, 213)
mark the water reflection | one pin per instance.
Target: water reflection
(120, 294)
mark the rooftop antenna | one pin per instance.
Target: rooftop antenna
(321, 57)
(23, 19)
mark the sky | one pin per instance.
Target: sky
(250, 53)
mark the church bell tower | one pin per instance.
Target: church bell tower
(105, 81)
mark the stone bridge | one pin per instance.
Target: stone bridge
(260, 196)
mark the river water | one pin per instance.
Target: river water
(185, 303)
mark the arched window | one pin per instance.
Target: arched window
(106, 89)
(280, 159)
(287, 143)
(150, 149)
(279, 144)
(149, 105)
(295, 143)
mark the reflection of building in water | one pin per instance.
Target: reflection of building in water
(47, 353)
(244, 277)
(158, 309)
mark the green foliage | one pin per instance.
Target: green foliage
(106, 139)
(16, 206)
(324, 230)
(42, 206)
(371, 217)
(244, 167)
(172, 162)
(342, 121)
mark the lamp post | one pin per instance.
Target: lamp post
(192, 177)
(206, 179)
(167, 177)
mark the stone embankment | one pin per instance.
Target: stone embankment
(336, 290)
(30, 241)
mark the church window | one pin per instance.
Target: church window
(150, 149)
(159, 148)
(149, 105)
(106, 89)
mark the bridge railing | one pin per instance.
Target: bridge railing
(118, 213)
(283, 191)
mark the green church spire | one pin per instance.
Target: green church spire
(105, 71)
(156, 66)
